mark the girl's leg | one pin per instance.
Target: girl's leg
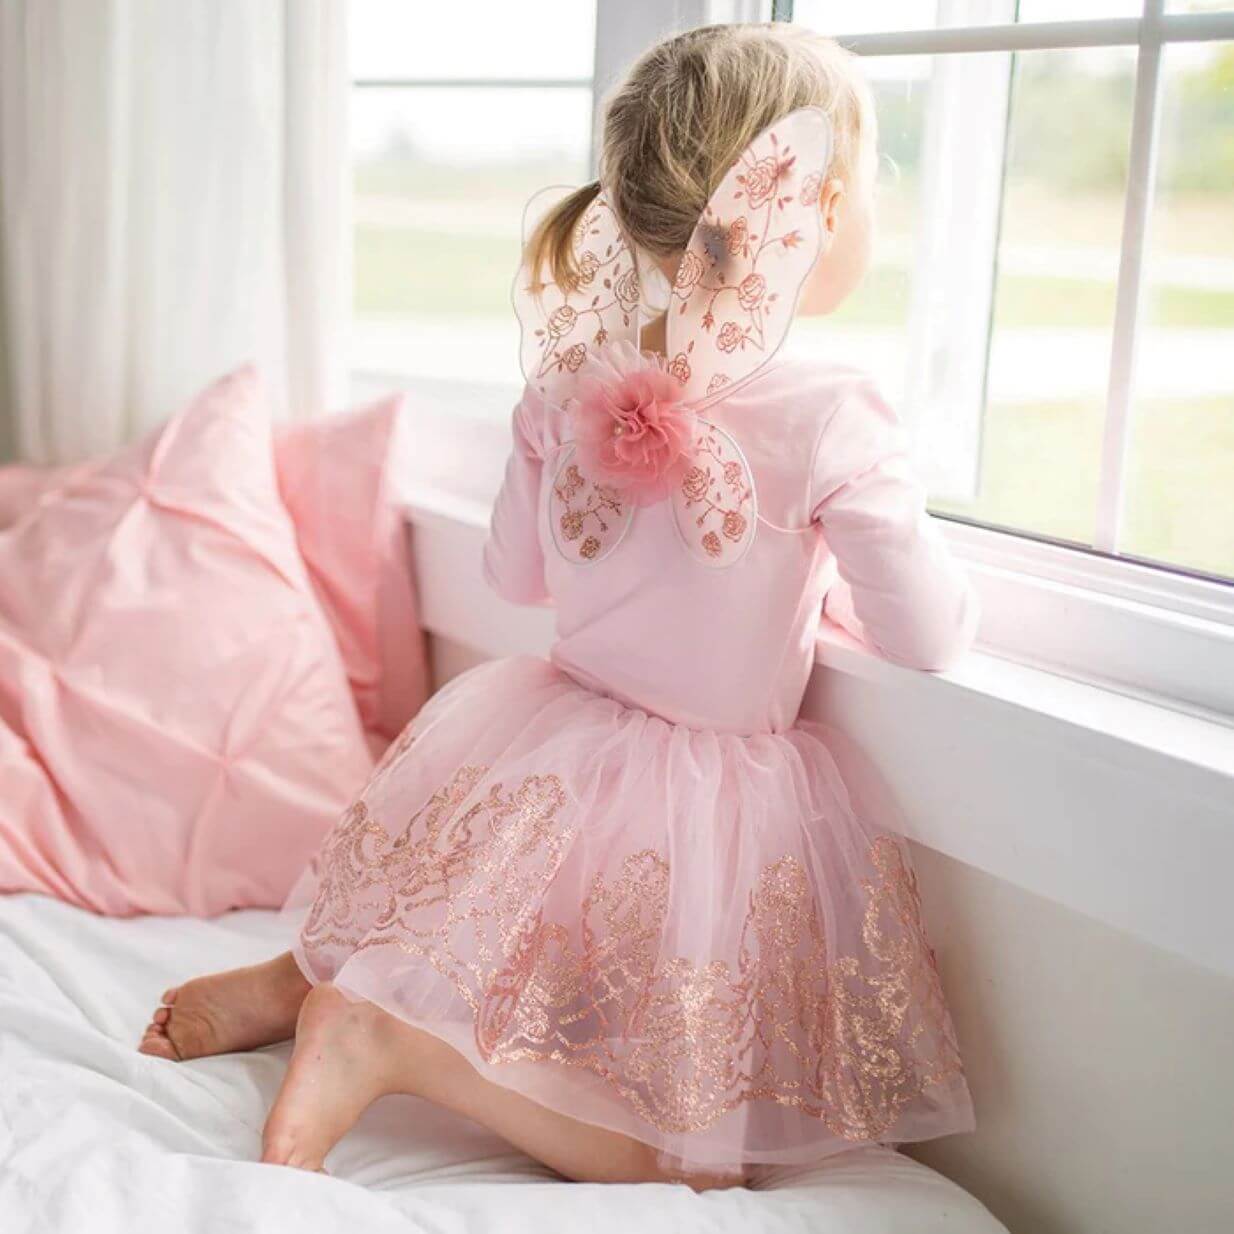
(349, 1054)
(227, 1012)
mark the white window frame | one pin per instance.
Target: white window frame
(1150, 34)
(1142, 629)
(1098, 615)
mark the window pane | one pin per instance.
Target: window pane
(1197, 6)
(1180, 477)
(871, 328)
(839, 17)
(441, 179)
(482, 38)
(1034, 432)
(1053, 312)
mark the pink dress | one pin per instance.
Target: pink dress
(626, 882)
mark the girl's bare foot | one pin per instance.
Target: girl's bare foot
(346, 1056)
(349, 1054)
(228, 1012)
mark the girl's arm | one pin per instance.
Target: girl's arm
(900, 591)
(513, 559)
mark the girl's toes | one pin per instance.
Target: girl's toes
(162, 1015)
(289, 1150)
(157, 1044)
(169, 996)
(276, 1151)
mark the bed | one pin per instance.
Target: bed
(143, 777)
(98, 1139)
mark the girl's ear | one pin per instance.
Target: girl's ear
(829, 198)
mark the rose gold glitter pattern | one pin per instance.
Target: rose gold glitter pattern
(587, 520)
(714, 506)
(850, 1039)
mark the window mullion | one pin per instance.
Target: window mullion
(962, 167)
(471, 83)
(624, 30)
(1136, 211)
(1009, 36)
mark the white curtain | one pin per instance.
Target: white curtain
(173, 195)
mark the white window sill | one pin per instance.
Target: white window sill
(1112, 805)
(1144, 632)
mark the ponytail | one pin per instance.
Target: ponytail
(552, 243)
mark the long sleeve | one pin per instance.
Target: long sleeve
(513, 558)
(900, 590)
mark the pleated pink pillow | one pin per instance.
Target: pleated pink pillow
(339, 479)
(176, 727)
(23, 485)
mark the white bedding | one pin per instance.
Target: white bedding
(98, 1139)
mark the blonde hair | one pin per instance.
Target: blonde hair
(687, 110)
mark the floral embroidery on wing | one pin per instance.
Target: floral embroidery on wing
(715, 505)
(751, 249)
(563, 324)
(851, 1038)
(760, 184)
(587, 520)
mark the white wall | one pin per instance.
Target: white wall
(1101, 1066)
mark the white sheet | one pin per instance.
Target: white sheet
(98, 1139)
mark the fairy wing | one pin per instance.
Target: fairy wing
(715, 508)
(561, 326)
(733, 302)
(738, 283)
(587, 520)
(731, 307)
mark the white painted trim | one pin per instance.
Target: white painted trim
(1145, 631)
(1040, 36)
(1137, 206)
(1109, 805)
(471, 83)
(1118, 578)
(1007, 36)
(1123, 626)
(1140, 651)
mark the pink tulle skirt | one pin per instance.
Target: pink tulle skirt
(680, 935)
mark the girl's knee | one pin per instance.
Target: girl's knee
(711, 1182)
(694, 1179)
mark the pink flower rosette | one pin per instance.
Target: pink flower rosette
(633, 430)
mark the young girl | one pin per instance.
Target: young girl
(615, 905)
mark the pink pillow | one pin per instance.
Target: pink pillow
(178, 730)
(339, 480)
(22, 485)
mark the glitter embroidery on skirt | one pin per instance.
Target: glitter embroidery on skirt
(788, 1008)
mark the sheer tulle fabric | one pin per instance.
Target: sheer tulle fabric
(680, 935)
